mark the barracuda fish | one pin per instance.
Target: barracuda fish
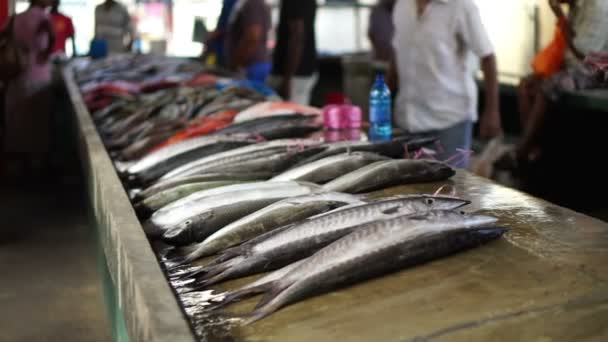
(195, 217)
(239, 154)
(208, 177)
(285, 245)
(279, 214)
(274, 162)
(377, 248)
(170, 157)
(383, 174)
(329, 168)
(148, 206)
(396, 148)
(275, 127)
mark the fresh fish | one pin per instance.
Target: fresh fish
(279, 214)
(283, 246)
(168, 152)
(329, 168)
(274, 108)
(391, 149)
(140, 148)
(377, 248)
(274, 162)
(240, 154)
(215, 208)
(383, 174)
(275, 127)
(153, 203)
(168, 158)
(208, 177)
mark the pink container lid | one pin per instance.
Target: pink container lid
(351, 116)
(332, 116)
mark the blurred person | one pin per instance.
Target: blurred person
(63, 28)
(28, 97)
(113, 25)
(381, 30)
(585, 30)
(294, 70)
(246, 37)
(215, 42)
(433, 43)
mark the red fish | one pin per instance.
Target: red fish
(202, 126)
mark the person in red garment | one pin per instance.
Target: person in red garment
(64, 30)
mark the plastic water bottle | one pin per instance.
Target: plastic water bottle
(380, 111)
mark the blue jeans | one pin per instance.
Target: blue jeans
(459, 136)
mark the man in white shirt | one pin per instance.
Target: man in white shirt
(432, 68)
(113, 25)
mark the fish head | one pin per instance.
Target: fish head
(181, 234)
(441, 169)
(424, 204)
(467, 219)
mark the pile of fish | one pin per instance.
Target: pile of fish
(235, 175)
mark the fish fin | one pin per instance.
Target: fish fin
(391, 211)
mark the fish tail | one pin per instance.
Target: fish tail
(215, 273)
(243, 293)
(228, 254)
(268, 304)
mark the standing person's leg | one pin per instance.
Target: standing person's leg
(301, 89)
(274, 81)
(454, 139)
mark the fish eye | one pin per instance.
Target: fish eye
(429, 201)
(462, 212)
(187, 223)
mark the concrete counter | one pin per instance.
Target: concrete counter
(141, 293)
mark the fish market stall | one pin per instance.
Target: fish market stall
(191, 211)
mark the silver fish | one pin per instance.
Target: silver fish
(153, 203)
(218, 207)
(285, 245)
(329, 168)
(169, 157)
(226, 157)
(279, 214)
(376, 248)
(383, 174)
(207, 177)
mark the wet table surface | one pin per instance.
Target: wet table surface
(545, 280)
